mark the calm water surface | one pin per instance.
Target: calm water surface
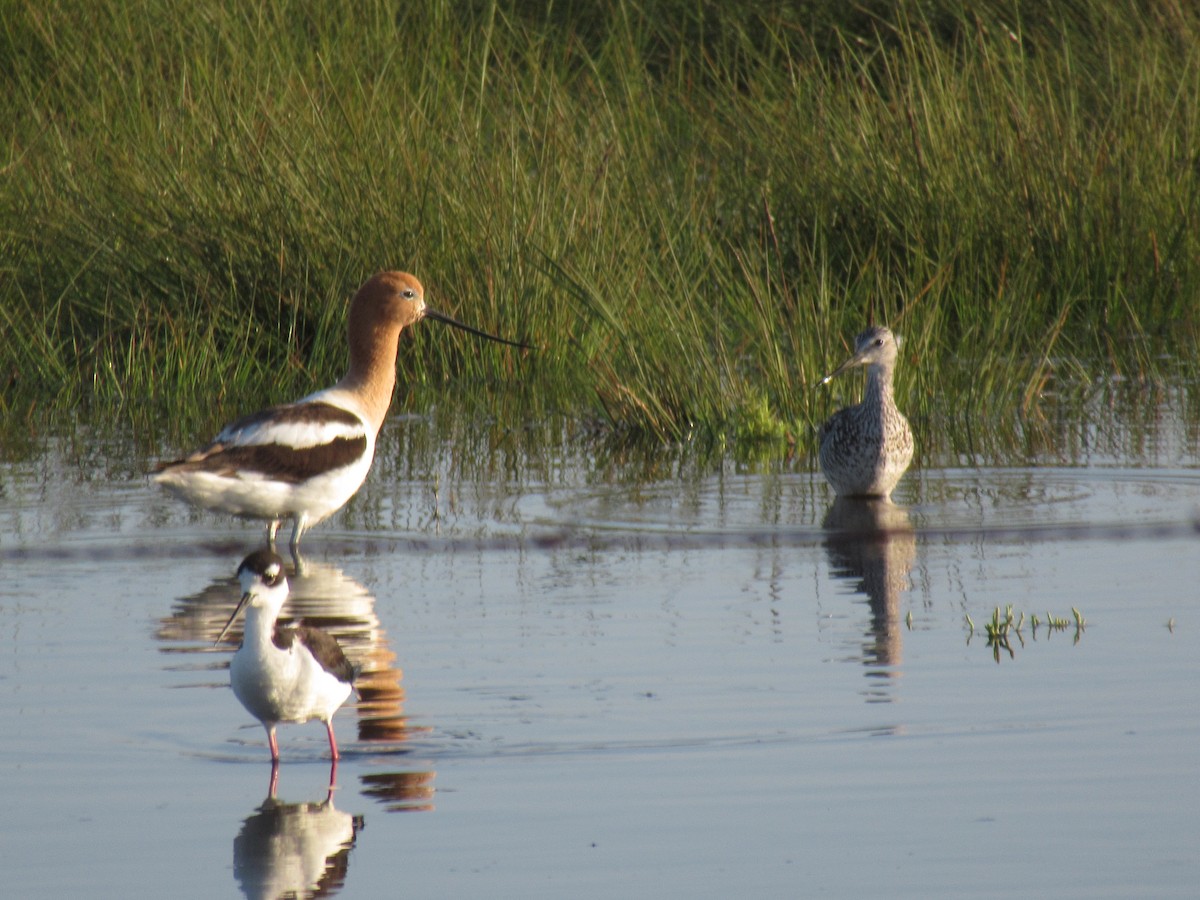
(590, 673)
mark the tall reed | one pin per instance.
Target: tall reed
(692, 208)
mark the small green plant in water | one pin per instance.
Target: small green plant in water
(1004, 626)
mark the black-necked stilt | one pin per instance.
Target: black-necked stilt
(304, 460)
(866, 448)
(294, 849)
(281, 673)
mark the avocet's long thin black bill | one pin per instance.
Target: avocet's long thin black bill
(449, 320)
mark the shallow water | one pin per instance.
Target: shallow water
(594, 672)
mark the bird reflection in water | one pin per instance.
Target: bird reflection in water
(294, 849)
(871, 543)
(326, 597)
(400, 791)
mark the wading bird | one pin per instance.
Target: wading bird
(304, 460)
(865, 448)
(282, 673)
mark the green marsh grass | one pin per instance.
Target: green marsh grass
(691, 207)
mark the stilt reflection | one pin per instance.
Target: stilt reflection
(294, 849)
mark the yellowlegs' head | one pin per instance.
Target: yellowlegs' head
(876, 346)
(264, 586)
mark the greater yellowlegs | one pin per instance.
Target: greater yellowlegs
(304, 460)
(865, 448)
(283, 674)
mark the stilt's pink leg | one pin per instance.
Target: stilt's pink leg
(273, 743)
(332, 742)
(332, 781)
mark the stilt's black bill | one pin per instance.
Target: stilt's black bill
(442, 317)
(237, 609)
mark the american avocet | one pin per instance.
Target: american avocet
(279, 673)
(304, 460)
(864, 449)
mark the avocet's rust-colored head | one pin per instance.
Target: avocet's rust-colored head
(392, 300)
(396, 299)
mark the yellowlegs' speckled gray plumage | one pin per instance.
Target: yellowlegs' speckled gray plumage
(864, 449)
